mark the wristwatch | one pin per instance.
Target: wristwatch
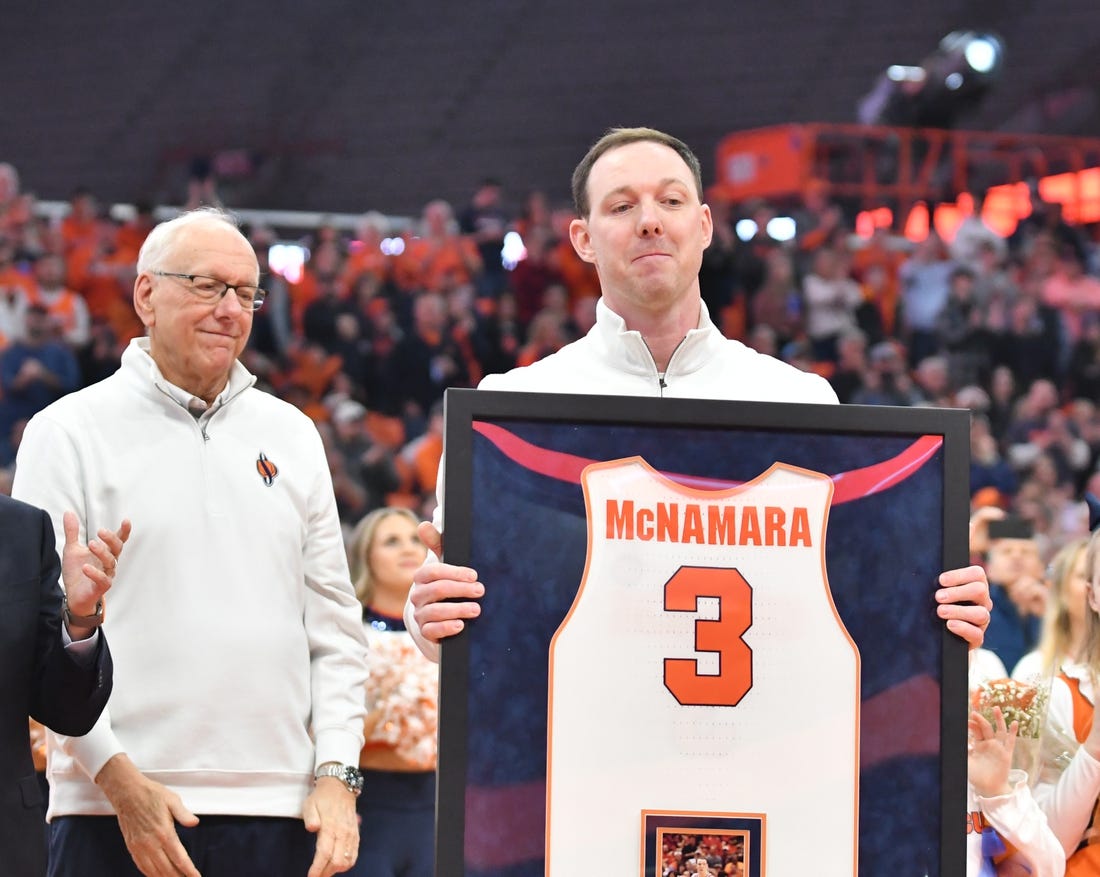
(93, 620)
(350, 776)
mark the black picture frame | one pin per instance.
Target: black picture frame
(510, 480)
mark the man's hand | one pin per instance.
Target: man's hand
(30, 370)
(964, 603)
(1029, 595)
(329, 812)
(88, 570)
(979, 526)
(435, 585)
(147, 813)
(989, 754)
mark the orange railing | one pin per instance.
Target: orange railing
(871, 167)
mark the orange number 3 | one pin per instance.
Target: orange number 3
(721, 635)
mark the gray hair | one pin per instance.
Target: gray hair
(163, 236)
(450, 222)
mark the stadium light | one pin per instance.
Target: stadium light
(954, 78)
(983, 53)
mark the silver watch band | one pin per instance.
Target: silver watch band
(351, 777)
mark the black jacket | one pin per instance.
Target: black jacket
(37, 678)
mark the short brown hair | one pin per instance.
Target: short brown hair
(613, 139)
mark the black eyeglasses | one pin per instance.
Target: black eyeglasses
(212, 289)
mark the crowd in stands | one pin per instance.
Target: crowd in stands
(367, 341)
(687, 855)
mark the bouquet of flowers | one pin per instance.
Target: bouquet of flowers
(1060, 743)
(1022, 702)
(402, 690)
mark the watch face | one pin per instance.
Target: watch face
(353, 779)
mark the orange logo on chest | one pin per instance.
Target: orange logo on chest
(267, 469)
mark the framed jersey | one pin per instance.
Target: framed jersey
(708, 642)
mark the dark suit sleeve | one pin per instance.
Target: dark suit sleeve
(68, 695)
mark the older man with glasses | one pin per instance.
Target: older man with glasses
(237, 711)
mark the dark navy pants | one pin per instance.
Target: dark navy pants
(220, 846)
(396, 825)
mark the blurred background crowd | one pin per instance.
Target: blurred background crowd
(370, 330)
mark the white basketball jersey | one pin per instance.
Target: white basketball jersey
(703, 669)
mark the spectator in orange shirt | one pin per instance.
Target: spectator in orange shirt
(818, 220)
(104, 276)
(879, 249)
(312, 371)
(580, 277)
(439, 259)
(876, 266)
(422, 454)
(79, 227)
(133, 232)
(366, 258)
(67, 309)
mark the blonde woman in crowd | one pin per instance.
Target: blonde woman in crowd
(397, 807)
(1069, 780)
(1063, 636)
(1007, 832)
